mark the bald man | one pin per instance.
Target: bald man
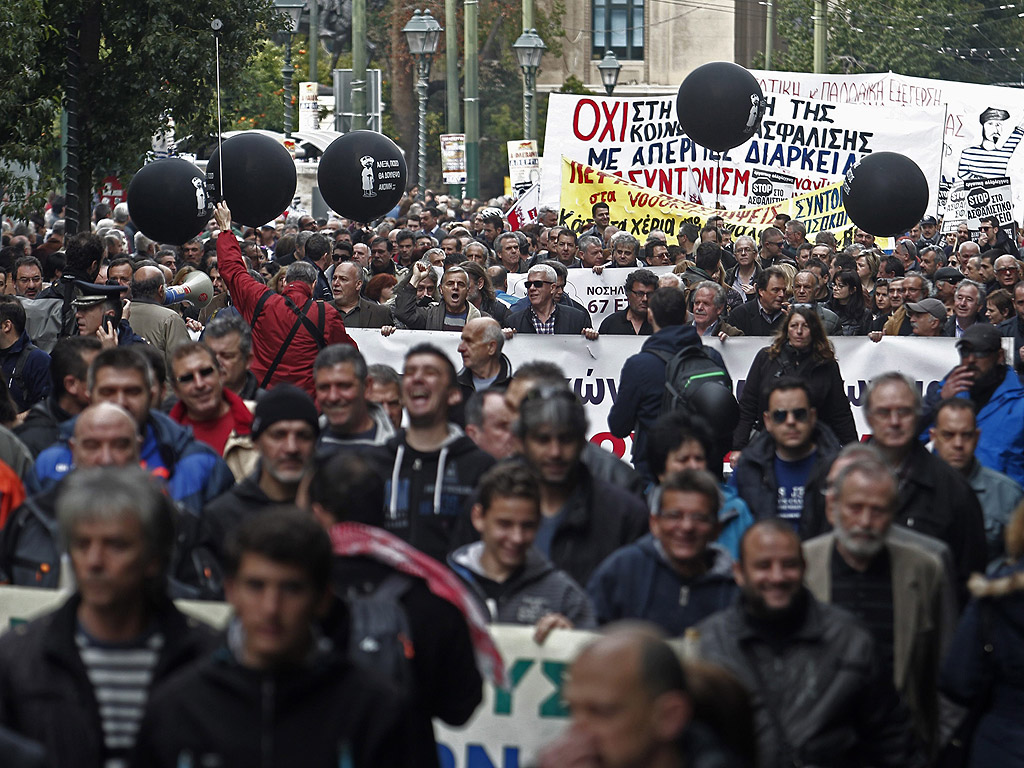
(630, 708)
(159, 325)
(105, 435)
(483, 364)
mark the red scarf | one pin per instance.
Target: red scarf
(351, 539)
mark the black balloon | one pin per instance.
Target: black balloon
(885, 194)
(362, 175)
(259, 177)
(720, 105)
(167, 201)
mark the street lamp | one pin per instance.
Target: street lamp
(422, 34)
(294, 9)
(609, 68)
(529, 48)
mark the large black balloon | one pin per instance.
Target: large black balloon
(720, 105)
(362, 175)
(885, 194)
(167, 201)
(259, 177)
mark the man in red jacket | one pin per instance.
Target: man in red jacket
(289, 328)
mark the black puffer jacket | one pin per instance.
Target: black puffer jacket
(822, 681)
(828, 392)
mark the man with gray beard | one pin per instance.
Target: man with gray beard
(892, 586)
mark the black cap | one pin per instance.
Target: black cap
(981, 337)
(993, 114)
(949, 274)
(930, 221)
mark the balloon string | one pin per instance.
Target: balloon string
(718, 182)
(220, 155)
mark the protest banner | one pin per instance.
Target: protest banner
(970, 148)
(639, 210)
(974, 199)
(815, 142)
(592, 368)
(524, 210)
(523, 165)
(453, 158)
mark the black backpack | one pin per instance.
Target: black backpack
(379, 634)
(688, 375)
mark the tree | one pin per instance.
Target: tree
(944, 39)
(136, 63)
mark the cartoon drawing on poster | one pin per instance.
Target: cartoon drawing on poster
(990, 159)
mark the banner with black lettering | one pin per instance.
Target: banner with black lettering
(815, 142)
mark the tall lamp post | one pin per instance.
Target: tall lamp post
(609, 68)
(294, 9)
(529, 49)
(422, 34)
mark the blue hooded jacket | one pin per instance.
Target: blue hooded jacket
(195, 475)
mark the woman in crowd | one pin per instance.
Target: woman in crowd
(848, 302)
(999, 306)
(380, 288)
(867, 270)
(800, 349)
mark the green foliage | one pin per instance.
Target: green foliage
(141, 60)
(905, 36)
(573, 84)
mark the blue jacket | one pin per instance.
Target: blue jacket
(970, 674)
(1001, 421)
(637, 582)
(35, 374)
(641, 385)
(195, 475)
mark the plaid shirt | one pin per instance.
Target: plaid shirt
(548, 326)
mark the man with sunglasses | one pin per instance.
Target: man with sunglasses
(783, 469)
(545, 314)
(984, 377)
(772, 241)
(217, 416)
(993, 239)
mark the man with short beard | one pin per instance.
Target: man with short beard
(820, 695)
(893, 587)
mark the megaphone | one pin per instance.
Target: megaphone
(197, 289)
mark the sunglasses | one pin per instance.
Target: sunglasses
(780, 415)
(188, 378)
(537, 283)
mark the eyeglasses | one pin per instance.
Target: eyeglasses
(1007, 270)
(773, 242)
(642, 294)
(203, 373)
(537, 283)
(697, 518)
(780, 415)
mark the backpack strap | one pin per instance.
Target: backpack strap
(19, 367)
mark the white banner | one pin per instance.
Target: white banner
(523, 165)
(524, 210)
(592, 368)
(509, 727)
(997, 153)
(813, 141)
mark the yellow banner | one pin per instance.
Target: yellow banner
(640, 210)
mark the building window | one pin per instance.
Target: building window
(619, 27)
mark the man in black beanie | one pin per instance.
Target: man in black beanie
(284, 430)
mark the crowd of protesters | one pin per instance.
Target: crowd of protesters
(840, 603)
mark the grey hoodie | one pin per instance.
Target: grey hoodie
(535, 591)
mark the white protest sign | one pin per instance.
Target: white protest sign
(592, 368)
(523, 165)
(971, 148)
(510, 726)
(813, 141)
